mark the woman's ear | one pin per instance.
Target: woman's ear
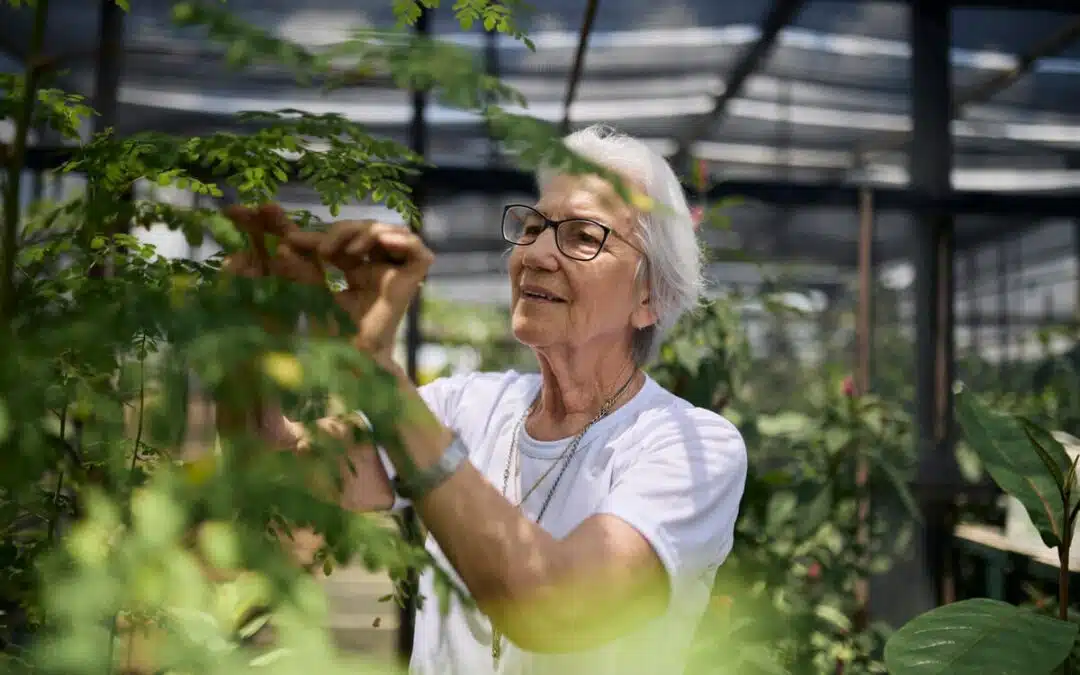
(644, 315)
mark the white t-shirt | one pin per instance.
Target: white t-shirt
(674, 472)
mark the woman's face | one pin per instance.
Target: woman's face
(596, 302)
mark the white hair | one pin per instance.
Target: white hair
(673, 257)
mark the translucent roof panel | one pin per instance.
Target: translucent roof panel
(836, 82)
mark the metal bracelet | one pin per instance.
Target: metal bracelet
(418, 485)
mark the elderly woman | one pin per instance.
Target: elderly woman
(583, 507)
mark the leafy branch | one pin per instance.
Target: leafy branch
(24, 118)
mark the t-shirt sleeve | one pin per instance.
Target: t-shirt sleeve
(680, 488)
(442, 396)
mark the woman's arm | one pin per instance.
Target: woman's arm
(531, 585)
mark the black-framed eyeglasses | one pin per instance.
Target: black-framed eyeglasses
(576, 238)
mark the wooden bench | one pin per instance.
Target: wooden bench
(1006, 563)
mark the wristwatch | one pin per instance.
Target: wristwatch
(423, 481)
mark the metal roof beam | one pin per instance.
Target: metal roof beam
(993, 85)
(781, 14)
(579, 61)
(1067, 6)
(449, 181)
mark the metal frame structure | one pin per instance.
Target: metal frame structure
(929, 197)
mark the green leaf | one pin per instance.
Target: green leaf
(219, 544)
(1014, 464)
(903, 492)
(979, 637)
(834, 616)
(782, 507)
(836, 439)
(5, 422)
(816, 513)
(783, 424)
(971, 467)
(1049, 451)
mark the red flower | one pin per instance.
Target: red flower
(722, 603)
(849, 386)
(697, 214)
(814, 571)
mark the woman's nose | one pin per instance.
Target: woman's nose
(544, 251)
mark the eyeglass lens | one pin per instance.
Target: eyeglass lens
(580, 239)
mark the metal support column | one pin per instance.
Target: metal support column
(930, 158)
(1018, 337)
(971, 291)
(410, 524)
(1003, 332)
(110, 63)
(863, 364)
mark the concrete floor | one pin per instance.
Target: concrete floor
(358, 621)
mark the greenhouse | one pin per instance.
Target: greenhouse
(888, 194)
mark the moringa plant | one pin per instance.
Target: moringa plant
(130, 542)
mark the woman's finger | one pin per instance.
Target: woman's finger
(341, 233)
(407, 247)
(291, 265)
(304, 241)
(248, 221)
(380, 243)
(241, 264)
(346, 246)
(275, 221)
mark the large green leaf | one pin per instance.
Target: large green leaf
(1009, 456)
(1050, 451)
(979, 637)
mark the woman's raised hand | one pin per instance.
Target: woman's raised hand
(383, 264)
(301, 257)
(258, 260)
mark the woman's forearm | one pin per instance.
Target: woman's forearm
(505, 560)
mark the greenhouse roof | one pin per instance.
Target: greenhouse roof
(825, 106)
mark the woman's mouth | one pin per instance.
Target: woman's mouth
(540, 294)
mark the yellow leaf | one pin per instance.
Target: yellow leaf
(642, 202)
(285, 369)
(198, 471)
(179, 286)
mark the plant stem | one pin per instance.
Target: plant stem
(1063, 583)
(131, 485)
(142, 409)
(1063, 588)
(55, 520)
(15, 168)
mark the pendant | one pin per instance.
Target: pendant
(496, 647)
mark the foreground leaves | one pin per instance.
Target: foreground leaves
(1030, 474)
(980, 637)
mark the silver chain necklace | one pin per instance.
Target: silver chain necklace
(568, 455)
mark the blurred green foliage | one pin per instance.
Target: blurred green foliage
(127, 535)
(111, 528)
